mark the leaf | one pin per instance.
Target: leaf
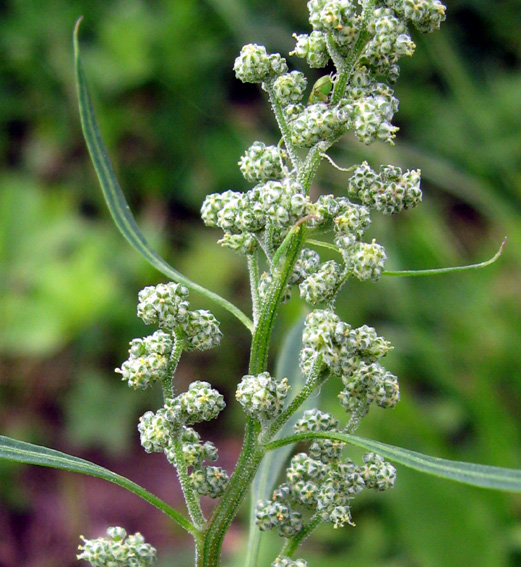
(484, 476)
(22, 452)
(115, 198)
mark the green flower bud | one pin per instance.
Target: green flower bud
(155, 431)
(261, 162)
(378, 473)
(289, 88)
(316, 420)
(201, 330)
(313, 48)
(323, 285)
(262, 396)
(164, 304)
(254, 65)
(365, 261)
(118, 550)
(269, 515)
(209, 481)
(318, 122)
(200, 403)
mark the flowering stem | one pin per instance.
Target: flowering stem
(349, 63)
(226, 510)
(271, 302)
(283, 126)
(291, 545)
(191, 498)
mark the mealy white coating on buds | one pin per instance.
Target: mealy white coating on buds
(367, 384)
(426, 15)
(273, 204)
(371, 116)
(319, 122)
(315, 420)
(339, 347)
(377, 472)
(262, 396)
(289, 88)
(284, 561)
(306, 264)
(209, 481)
(313, 48)
(201, 330)
(200, 403)
(364, 261)
(390, 41)
(164, 305)
(154, 357)
(254, 65)
(117, 550)
(389, 191)
(155, 431)
(148, 360)
(261, 162)
(323, 285)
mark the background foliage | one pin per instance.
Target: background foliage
(177, 121)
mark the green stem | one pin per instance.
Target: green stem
(349, 63)
(253, 269)
(191, 497)
(167, 384)
(282, 268)
(228, 506)
(283, 126)
(291, 545)
(252, 451)
(307, 173)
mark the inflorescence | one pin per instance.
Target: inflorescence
(364, 40)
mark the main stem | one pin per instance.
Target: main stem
(209, 551)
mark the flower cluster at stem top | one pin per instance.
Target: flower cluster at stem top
(364, 40)
(363, 104)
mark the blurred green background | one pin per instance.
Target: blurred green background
(176, 122)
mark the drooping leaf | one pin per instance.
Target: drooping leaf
(484, 476)
(22, 452)
(115, 198)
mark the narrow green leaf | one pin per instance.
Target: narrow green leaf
(115, 198)
(484, 476)
(22, 452)
(437, 271)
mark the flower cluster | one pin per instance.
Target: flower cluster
(155, 357)
(167, 431)
(352, 355)
(261, 162)
(320, 483)
(270, 209)
(118, 550)
(254, 65)
(284, 561)
(389, 191)
(261, 396)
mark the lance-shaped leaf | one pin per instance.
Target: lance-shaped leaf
(484, 476)
(115, 198)
(22, 452)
